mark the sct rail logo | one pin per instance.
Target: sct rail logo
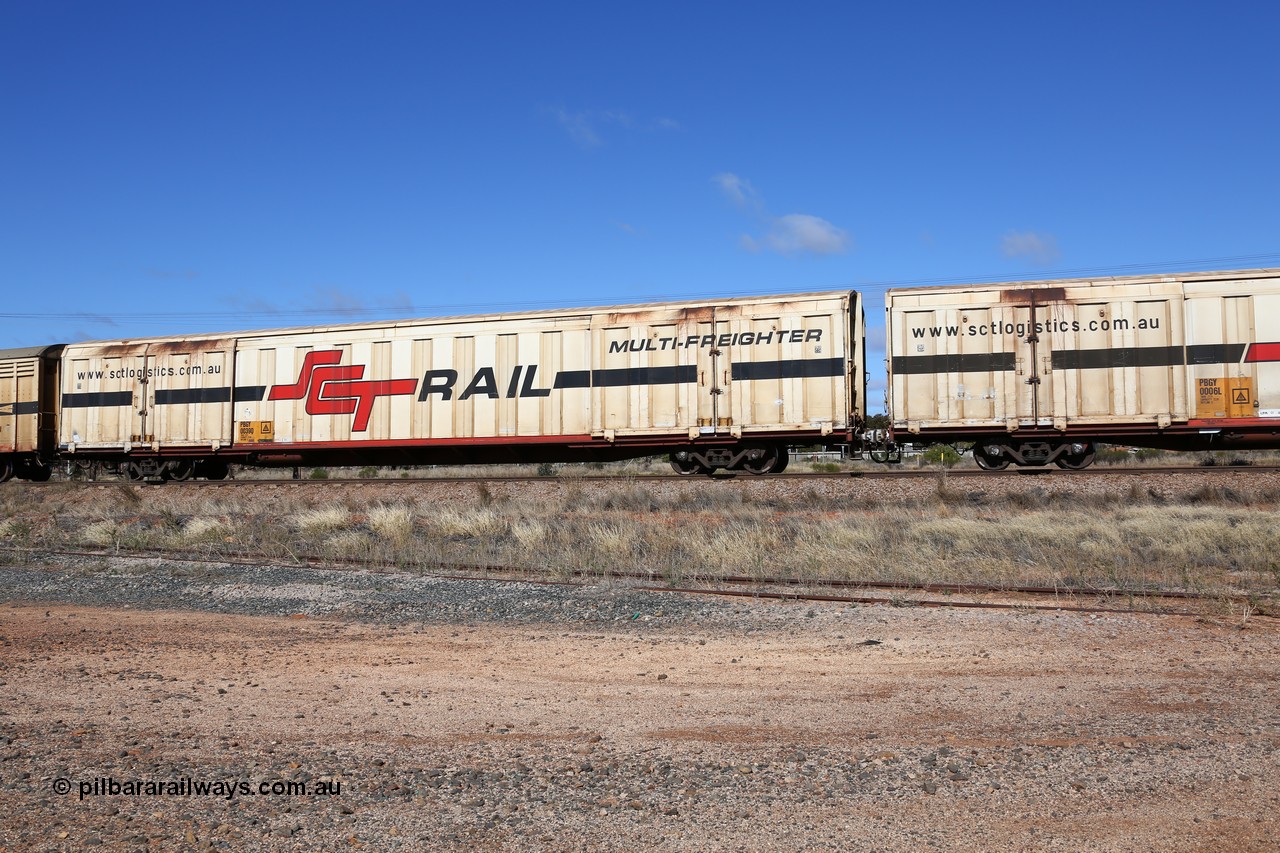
(330, 389)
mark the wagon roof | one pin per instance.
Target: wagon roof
(25, 352)
(1148, 278)
(480, 318)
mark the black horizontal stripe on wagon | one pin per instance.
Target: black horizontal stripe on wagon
(22, 407)
(1082, 359)
(797, 368)
(164, 397)
(626, 376)
(967, 362)
(1093, 359)
(97, 399)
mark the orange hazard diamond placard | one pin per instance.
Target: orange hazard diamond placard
(255, 432)
(1240, 397)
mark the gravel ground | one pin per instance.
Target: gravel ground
(481, 714)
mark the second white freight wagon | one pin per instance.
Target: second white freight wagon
(1039, 372)
(717, 384)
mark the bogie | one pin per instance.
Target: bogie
(752, 458)
(996, 456)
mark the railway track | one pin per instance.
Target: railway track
(1152, 601)
(871, 474)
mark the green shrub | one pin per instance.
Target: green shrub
(941, 454)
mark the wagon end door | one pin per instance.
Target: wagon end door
(1027, 329)
(190, 393)
(144, 399)
(711, 356)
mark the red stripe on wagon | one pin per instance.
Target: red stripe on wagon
(1263, 352)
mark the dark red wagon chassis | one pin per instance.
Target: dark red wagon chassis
(728, 451)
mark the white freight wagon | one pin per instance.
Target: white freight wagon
(1038, 372)
(718, 384)
(26, 413)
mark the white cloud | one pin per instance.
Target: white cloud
(585, 127)
(617, 117)
(737, 190)
(1038, 248)
(799, 232)
(579, 128)
(792, 234)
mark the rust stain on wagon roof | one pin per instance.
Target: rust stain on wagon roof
(116, 350)
(1038, 295)
(696, 313)
(181, 346)
(175, 346)
(661, 316)
(639, 318)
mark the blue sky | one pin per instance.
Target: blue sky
(187, 167)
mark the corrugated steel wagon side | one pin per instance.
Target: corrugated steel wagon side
(27, 411)
(724, 384)
(1039, 372)
(157, 407)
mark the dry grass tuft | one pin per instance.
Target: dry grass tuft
(322, 519)
(392, 523)
(350, 545)
(468, 523)
(204, 530)
(529, 534)
(105, 534)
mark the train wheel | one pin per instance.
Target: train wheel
(180, 470)
(763, 460)
(1078, 461)
(783, 459)
(84, 470)
(6, 470)
(213, 470)
(988, 461)
(687, 467)
(133, 472)
(38, 472)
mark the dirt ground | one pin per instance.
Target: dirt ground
(831, 728)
